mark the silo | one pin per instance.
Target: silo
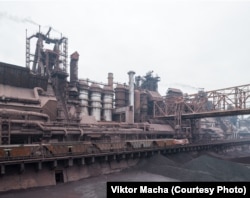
(120, 96)
(107, 103)
(95, 98)
(84, 97)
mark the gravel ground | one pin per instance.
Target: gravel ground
(180, 167)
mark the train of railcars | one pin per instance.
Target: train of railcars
(44, 150)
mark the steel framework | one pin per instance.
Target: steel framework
(186, 110)
(221, 102)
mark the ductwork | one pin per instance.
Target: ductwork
(15, 112)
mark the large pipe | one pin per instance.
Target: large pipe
(37, 57)
(57, 130)
(23, 113)
(36, 93)
(131, 93)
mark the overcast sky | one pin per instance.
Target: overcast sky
(189, 44)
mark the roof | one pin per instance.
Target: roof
(18, 76)
(162, 127)
(154, 95)
(174, 90)
(16, 92)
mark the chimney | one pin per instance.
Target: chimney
(131, 93)
(110, 80)
(74, 67)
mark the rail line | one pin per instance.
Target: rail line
(123, 153)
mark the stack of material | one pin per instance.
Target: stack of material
(202, 168)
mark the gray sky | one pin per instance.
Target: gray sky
(189, 44)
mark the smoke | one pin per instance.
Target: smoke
(186, 86)
(17, 18)
(5, 15)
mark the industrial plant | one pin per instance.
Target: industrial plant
(56, 127)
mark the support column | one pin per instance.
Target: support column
(0, 131)
(83, 161)
(22, 167)
(55, 164)
(70, 162)
(2, 169)
(39, 166)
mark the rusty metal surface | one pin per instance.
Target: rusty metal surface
(184, 111)
(140, 144)
(20, 77)
(214, 145)
(114, 146)
(40, 105)
(229, 101)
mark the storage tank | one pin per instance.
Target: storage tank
(120, 96)
(84, 97)
(95, 100)
(107, 103)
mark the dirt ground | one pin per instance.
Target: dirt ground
(206, 166)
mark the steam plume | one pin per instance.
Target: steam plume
(186, 86)
(17, 19)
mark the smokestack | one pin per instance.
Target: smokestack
(131, 87)
(110, 80)
(131, 92)
(27, 51)
(74, 67)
